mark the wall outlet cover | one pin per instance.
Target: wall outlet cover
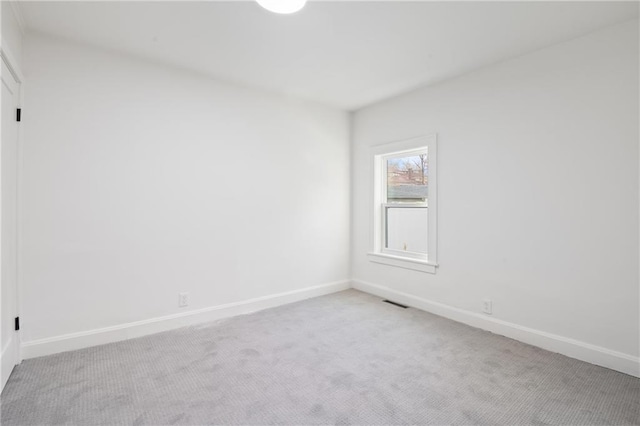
(487, 306)
(183, 299)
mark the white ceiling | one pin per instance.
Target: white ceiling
(345, 54)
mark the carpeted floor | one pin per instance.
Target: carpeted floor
(346, 358)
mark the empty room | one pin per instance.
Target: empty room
(316, 212)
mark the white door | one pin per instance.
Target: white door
(8, 218)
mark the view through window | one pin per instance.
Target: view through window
(405, 212)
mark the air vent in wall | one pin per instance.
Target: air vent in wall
(396, 304)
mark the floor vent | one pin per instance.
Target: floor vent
(396, 304)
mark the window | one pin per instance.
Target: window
(404, 211)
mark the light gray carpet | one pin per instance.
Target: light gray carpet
(345, 358)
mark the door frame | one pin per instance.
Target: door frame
(9, 59)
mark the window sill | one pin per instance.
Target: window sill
(403, 262)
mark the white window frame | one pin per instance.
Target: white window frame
(379, 253)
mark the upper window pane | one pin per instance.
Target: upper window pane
(408, 178)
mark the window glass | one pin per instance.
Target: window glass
(408, 179)
(406, 229)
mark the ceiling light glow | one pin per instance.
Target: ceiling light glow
(282, 6)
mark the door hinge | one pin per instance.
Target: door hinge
(18, 114)
(17, 327)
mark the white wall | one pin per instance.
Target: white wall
(142, 181)
(538, 189)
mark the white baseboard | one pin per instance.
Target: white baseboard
(8, 360)
(572, 348)
(84, 339)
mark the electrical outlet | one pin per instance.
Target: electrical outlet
(487, 306)
(183, 299)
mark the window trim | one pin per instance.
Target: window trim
(378, 254)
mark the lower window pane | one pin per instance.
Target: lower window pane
(406, 229)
